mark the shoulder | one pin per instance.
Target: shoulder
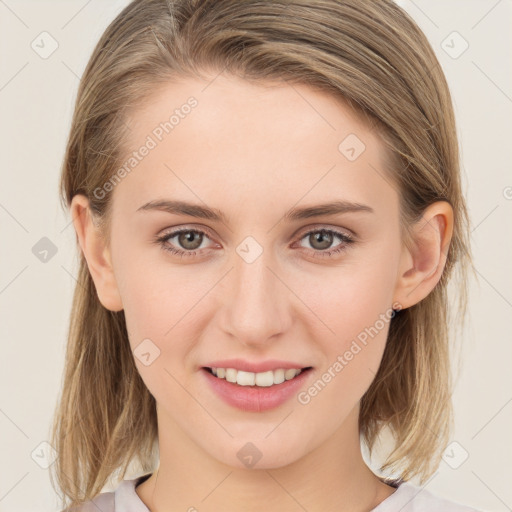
(124, 498)
(411, 498)
(104, 502)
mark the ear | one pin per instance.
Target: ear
(96, 253)
(422, 264)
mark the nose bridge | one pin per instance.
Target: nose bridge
(255, 299)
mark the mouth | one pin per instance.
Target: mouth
(256, 392)
(270, 378)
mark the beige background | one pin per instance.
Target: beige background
(36, 99)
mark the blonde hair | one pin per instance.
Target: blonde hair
(373, 57)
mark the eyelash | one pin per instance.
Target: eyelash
(327, 253)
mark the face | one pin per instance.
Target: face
(262, 281)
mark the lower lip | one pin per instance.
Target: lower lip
(255, 398)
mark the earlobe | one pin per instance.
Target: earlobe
(96, 253)
(422, 264)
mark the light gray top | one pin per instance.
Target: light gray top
(407, 498)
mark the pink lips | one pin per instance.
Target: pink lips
(255, 398)
(248, 366)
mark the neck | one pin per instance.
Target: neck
(332, 476)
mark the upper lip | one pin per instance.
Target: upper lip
(255, 367)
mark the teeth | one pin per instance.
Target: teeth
(263, 379)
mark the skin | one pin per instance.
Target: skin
(254, 152)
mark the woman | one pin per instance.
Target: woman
(267, 201)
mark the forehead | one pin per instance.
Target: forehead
(232, 143)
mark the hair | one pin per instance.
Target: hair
(368, 54)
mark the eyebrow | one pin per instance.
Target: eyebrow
(294, 214)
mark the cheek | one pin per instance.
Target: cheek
(357, 311)
(155, 293)
(351, 297)
(162, 307)
(160, 330)
(353, 308)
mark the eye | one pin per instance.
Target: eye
(189, 239)
(321, 241)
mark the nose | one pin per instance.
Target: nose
(256, 301)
